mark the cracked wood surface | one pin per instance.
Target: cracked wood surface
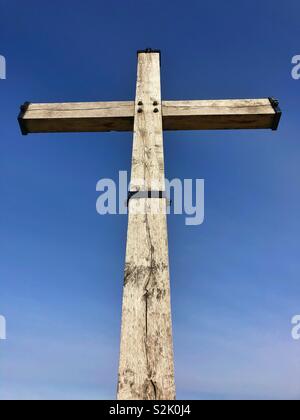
(146, 369)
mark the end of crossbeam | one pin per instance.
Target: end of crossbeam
(23, 109)
(275, 104)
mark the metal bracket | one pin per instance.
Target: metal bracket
(23, 109)
(275, 104)
(147, 194)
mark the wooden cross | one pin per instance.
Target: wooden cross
(146, 368)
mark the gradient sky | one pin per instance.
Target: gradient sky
(235, 279)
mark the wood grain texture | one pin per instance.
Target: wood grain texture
(146, 369)
(177, 115)
(78, 117)
(218, 114)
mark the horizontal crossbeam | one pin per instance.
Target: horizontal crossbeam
(177, 115)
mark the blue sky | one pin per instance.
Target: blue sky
(235, 279)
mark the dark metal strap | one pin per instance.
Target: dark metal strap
(148, 50)
(23, 110)
(278, 113)
(145, 194)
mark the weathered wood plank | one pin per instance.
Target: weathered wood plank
(146, 369)
(119, 116)
(218, 114)
(77, 117)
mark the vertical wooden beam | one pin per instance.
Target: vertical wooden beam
(146, 370)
